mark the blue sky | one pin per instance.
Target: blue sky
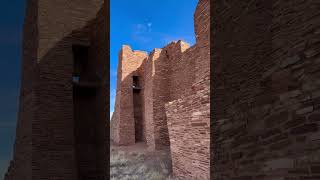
(145, 25)
(142, 24)
(11, 21)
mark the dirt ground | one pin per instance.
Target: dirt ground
(136, 162)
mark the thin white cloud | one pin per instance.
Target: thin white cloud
(149, 26)
(141, 32)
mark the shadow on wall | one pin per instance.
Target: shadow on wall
(67, 120)
(266, 79)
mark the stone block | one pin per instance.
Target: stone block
(290, 61)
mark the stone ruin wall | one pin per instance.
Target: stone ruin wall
(189, 115)
(176, 105)
(266, 78)
(189, 129)
(123, 124)
(44, 145)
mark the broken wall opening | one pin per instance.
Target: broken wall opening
(137, 110)
(85, 115)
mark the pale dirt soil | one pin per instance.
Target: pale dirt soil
(138, 163)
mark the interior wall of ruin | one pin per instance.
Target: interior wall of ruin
(93, 136)
(148, 97)
(189, 115)
(265, 74)
(115, 121)
(189, 129)
(46, 103)
(140, 72)
(124, 123)
(160, 94)
(53, 126)
(163, 74)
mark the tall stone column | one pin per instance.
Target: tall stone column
(46, 145)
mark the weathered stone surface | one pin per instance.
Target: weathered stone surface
(273, 61)
(60, 134)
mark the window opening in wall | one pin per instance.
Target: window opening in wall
(136, 84)
(85, 119)
(80, 60)
(82, 76)
(137, 110)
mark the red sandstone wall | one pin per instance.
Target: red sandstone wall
(189, 129)
(96, 169)
(266, 76)
(180, 68)
(46, 97)
(189, 116)
(114, 123)
(164, 74)
(129, 62)
(177, 68)
(148, 97)
(141, 72)
(168, 71)
(202, 31)
(57, 19)
(161, 94)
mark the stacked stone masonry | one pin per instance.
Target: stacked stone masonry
(173, 87)
(61, 130)
(266, 90)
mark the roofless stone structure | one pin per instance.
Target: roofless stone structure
(163, 99)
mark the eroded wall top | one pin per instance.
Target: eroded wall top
(202, 21)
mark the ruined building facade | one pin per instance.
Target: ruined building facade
(163, 99)
(61, 131)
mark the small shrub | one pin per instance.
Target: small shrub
(140, 156)
(142, 169)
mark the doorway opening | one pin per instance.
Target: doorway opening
(137, 109)
(85, 120)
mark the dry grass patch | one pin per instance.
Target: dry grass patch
(138, 166)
